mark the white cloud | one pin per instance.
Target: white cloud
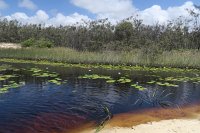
(112, 9)
(157, 14)
(28, 4)
(115, 10)
(3, 4)
(120, 9)
(61, 19)
(41, 17)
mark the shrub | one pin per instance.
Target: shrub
(44, 43)
(28, 43)
(41, 43)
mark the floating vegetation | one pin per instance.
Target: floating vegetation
(95, 76)
(54, 79)
(35, 72)
(141, 88)
(6, 77)
(5, 67)
(108, 79)
(166, 84)
(124, 80)
(10, 85)
(111, 81)
(42, 74)
(112, 67)
(55, 82)
(183, 79)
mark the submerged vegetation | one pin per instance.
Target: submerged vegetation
(155, 97)
(108, 116)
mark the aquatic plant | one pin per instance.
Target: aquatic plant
(89, 66)
(10, 85)
(54, 79)
(95, 76)
(154, 97)
(166, 84)
(108, 116)
(6, 77)
(183, 79)
(136, 86)
(114, 60)
(124, 80)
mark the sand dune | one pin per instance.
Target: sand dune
(10, 45)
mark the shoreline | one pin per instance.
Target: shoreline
(104, 66)
(173, 59)
(184, 120)
(164, 126)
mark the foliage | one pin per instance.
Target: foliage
(29, 43)
(41, 43)
(101, 35)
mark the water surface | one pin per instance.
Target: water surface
(63, 98)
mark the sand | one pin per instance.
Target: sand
(165, 126)
(10, 45)
(172, 120)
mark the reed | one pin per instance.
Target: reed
(185, 58)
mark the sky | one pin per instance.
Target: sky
(68, 12)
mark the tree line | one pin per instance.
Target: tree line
(100, 35)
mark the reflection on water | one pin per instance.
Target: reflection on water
(42, 106)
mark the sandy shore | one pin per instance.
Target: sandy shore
(165, 126)
(10, 45)
(184, 120)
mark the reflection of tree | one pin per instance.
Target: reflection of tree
(188, 93)
(183, 94)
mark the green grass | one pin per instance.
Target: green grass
(186, 58)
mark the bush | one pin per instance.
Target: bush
(28, 43)
(41, 43)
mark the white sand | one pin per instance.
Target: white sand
(165, 126)
(10, 45)
(171, 120)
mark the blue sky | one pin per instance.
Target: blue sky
(66, 7)
(143, 4)
(58, 11)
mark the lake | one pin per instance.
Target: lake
(58, 98)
